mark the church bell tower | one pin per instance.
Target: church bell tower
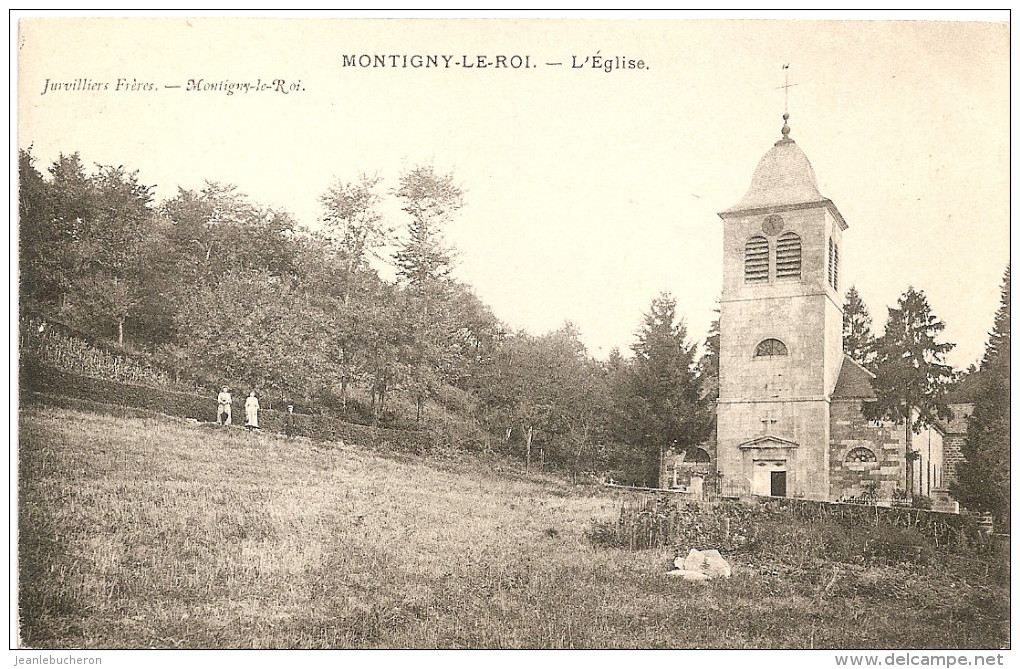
(780, 325)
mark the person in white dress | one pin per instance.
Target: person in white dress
(251, 411)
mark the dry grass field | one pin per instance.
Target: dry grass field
(138, 533)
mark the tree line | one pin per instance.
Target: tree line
(914, 386)
(214, 288)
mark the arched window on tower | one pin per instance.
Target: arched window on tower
(788, 256)
(756, 260)
(769, 348)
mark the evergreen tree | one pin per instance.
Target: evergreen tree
(911, 377)
(858, 342)
(708, 366)
(668, 405)
(984, 475)
(424, 261)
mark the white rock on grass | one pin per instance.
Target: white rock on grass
(710, 563)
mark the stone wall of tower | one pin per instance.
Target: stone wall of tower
(806, 313)
(805, 423)
(783, 396)
(953, 457)
(834, 303)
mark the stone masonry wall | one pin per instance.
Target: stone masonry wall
(849, 430)
(952, 457)
(956, 437)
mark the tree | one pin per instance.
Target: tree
(380, 335)
(219, 230)
(911, 377)
(984, 481)
(122, 220)
(423, 260)
(428, 353)
(354, 230)
(669, 407)
(354, 227)
(64, 240)
(253, 328)
(81, 240)
(708, 366)
(423, 265)
(588, 421)
(858, 341)
(546, 389)
(43, 245)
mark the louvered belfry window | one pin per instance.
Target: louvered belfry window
(835, 266)
(788, 256)
(756, 260)
(831, 251)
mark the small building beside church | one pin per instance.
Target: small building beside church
(789, 418)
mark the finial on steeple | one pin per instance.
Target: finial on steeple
(786, 102)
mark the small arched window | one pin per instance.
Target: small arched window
(860, 454)
(769, 348)
(788, 256)
(756, 260)
(699, 455)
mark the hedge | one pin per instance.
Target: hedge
(35, 377)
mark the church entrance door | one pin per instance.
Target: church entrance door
(769, 478)
(778, 484)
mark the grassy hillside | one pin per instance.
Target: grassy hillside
(153, 532)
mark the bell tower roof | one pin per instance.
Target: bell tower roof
(783, 179)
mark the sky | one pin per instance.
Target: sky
(588, 192)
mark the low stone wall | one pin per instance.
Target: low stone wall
(942, 529)
(648, 519)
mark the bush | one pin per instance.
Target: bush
(58, 347)
(890, 544)
(37, 377)
(794, 530)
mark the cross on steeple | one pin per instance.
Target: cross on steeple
(786, 100)
(786, 89)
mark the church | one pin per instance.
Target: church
(789, 419)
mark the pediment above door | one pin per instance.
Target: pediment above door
(769, 441)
